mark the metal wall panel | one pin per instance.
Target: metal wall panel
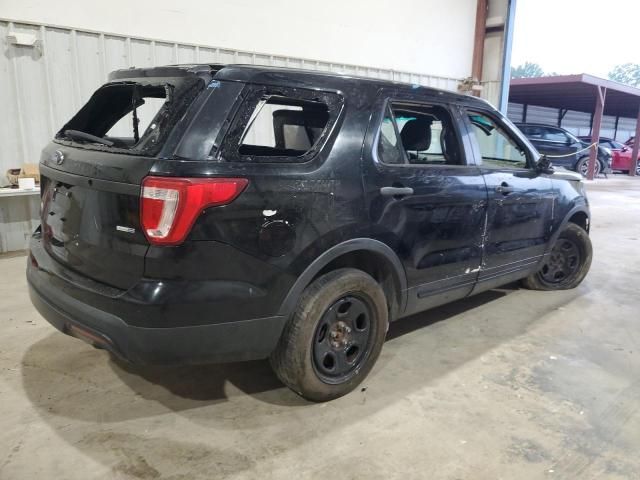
(626, 129)
(491, 92)
(41, 87)
(545, 115)
(514, 112)
(577, 123)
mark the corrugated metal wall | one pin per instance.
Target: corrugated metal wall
(577, 123)
(491, 92)
(42, 86)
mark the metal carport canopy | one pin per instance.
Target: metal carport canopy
(583, 93)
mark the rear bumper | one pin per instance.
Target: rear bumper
(73, 310)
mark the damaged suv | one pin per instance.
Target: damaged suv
(205, 213)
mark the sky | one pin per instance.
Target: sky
(577, 36)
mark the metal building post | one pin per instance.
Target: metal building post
(506, 57)
(636, 147)
(478, 40)
(595, 130)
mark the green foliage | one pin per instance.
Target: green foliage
(527, 70)
(627, 73)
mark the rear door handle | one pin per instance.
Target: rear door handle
(396, 191)
(505, 189)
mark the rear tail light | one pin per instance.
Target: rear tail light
(169, 206)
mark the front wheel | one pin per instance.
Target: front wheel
(583, 167)
(567, 264)
(334, 337)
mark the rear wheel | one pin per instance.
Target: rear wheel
(567, 264)
(626, 172)
(335, 336)
(583, 167)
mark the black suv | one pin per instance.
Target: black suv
(564, 149)
(211, 213)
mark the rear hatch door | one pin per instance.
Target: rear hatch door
(92, 172)
(90, 223)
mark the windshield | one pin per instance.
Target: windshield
(134, 115)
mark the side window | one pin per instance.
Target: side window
(389, 146)
(533, 132)
(281, 126)
(278, 128)
(420, 135)
(497, 147)
(555, 135)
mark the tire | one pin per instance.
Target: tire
(560, 272)
(583, 167)
(626, 172)
(334, 337)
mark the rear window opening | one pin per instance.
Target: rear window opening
(418, 135)
(129, 115)
(281, 126)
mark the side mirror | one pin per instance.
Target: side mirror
(624, 149)
(544, 165)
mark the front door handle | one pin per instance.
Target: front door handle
(505, 188)
(396, 191)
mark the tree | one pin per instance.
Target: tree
(527, 70)
(628, 73)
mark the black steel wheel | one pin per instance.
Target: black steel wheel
(567, 264)
(343, 339)
(334, 337)
(563, 262)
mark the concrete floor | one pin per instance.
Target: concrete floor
(508, 384)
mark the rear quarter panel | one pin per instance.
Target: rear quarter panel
(287, 217)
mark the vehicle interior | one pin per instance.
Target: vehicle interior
(426, 135)
(283, 126)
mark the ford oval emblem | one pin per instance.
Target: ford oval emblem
(58, 157)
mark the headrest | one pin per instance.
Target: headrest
(416, 134)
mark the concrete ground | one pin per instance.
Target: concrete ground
(508, 384)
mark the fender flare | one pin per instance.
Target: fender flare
(565, 221)
(356, 244)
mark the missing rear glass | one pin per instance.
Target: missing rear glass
(129, 115)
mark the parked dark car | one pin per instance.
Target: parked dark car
(605, 142)
(212, 213)
(564, 148)
(620, 153)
